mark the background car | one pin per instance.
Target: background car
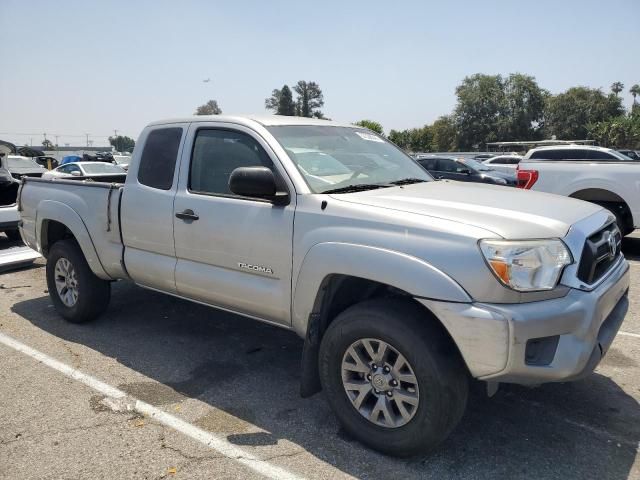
(503, 163)
(632, 154)
(122, 161)
(19, 166)
(464, 170)
(92, 170)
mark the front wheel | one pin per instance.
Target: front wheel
(393, 377)
(76, 292)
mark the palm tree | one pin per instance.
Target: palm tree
(617, 87)
(634, 90)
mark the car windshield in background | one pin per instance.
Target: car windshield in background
(22, 163)
(333, 158)
(121, 160)
(101, 168)
(475, 165)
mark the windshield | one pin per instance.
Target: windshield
(335, 157)
(22, 162)
(97, 168)
(121, 160)
(475, 165)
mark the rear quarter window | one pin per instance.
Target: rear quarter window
(158, 160)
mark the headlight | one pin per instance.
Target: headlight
(527, 265)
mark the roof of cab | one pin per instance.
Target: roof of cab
(264, 120)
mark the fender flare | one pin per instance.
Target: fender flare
(405, 272)
(62, 213)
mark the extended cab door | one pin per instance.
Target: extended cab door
(232, 252)
(147, 207)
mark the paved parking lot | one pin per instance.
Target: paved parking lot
(211, 377)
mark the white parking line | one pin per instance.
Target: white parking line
(629, 334)
(219, 444)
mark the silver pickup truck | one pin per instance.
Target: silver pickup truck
(403, 288)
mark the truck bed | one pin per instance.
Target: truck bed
(93, 207)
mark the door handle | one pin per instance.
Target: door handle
(187, 215)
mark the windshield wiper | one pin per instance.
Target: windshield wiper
(408, 181)
(359, 187)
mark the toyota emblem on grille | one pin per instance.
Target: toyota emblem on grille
(611, 240)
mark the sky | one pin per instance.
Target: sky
(69, 68)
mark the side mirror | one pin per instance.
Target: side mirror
(76, 173)
(464, 171)
(259, 182)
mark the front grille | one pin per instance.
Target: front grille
(600, 252)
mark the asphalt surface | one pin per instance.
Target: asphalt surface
(238, 380)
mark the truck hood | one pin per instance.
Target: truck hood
(508, 212)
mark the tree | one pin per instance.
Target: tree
(619, 132)
(568, 115)
(617, 87)
(492, 108)
(122, 143)
(371, 125)
(444, 134)
(522, 112)
(273, 102)
(281, 101)
(635, 91)
(480, 101)
(209, 108)
(414, 139)
(47, 144)
(400, 138)
(286, 105)
(310, 99)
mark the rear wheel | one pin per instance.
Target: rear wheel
(393, 377)
(76, 292)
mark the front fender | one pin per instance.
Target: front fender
(50, 210)
(399, 270)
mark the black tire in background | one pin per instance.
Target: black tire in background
(93, 292)
(443, 380)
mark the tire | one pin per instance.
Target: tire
(13, 235)
(92, 294)
(622, 214)
(442, 378)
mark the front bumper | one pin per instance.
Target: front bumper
(493, 338)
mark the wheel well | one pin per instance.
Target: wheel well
(52, 232)
(336, 294)
(597, 195)
(609, 200)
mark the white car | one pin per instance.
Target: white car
(85, 169)
(504, 163)
(594, 174)
(122, 161)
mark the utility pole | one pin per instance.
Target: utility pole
(115, 140)
(87, 139)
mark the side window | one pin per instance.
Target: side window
(446, 165)
(428, 163)
(598, 155)
(64, 169)
(540, 155)
(158, 160)
(73, 168)
(512, 161)
(217, 153)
